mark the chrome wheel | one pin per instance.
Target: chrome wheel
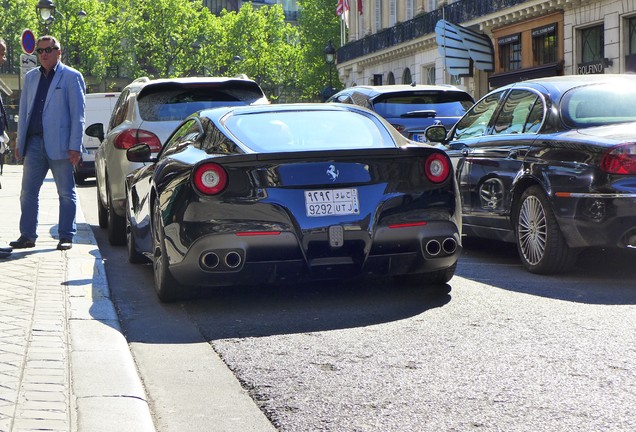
(542, 247)
(532, 230)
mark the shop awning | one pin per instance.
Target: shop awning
(459, 46)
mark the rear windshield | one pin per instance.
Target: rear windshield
(169, 101)
(445, 104)
(600, 104)
(281, 131)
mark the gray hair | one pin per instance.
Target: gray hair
(56, 43)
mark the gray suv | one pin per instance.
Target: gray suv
(148, 111)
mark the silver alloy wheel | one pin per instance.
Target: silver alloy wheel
(532, 230)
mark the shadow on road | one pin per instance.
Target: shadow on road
(600, 276)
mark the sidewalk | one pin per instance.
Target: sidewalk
(64, 363)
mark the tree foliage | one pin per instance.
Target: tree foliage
(170, 38)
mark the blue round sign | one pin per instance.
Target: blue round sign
(28, 41)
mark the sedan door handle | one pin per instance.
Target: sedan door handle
(465, 151)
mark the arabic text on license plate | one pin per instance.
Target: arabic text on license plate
(332, 202)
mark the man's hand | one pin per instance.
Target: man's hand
(74, 157)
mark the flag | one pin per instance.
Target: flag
(342, 8)
(360, 7)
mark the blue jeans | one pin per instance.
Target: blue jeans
(36, 166)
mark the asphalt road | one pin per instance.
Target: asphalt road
(504, 351)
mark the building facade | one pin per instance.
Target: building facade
(479, 45)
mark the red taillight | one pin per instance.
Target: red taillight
(209, 178)
(130, 137)
(437, 168)
(620, 159)
(399, 128)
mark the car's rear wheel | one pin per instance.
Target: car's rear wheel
(166, 286)
(134, 257)
(116, 225)
(102, 211)
(541, 244)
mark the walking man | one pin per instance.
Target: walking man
(50, 129)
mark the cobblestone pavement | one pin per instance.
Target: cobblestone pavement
(64, 364)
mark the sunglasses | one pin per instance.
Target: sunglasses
(46, 50)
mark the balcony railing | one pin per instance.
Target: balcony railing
(423, 24)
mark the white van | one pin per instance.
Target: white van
(99, 107)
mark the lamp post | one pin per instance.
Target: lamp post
(46, 10)
(330, 57)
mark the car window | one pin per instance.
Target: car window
(185, 134)
(600, 104)
(515, 112)
(475, 122)
(288, 131)
(215, 141)
(169, 103)
(119, 111)
(405, 104)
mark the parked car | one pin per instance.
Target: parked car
(148, 111)
(99, 107)
(244, 195)
(549, 164)
(410, 108)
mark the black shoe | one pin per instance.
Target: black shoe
(65, 244)
(22, 243)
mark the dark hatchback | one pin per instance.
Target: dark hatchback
(551, 165)
(410, 108)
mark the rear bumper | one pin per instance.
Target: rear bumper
(228, 259)
(598, 220)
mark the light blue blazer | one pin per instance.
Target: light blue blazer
(63, 115)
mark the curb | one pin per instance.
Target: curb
(107, 393)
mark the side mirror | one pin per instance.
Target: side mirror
(436, 133)
(139, 153)
(96, 130)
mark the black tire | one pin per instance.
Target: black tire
(80, 180)
(102, 211)
(116, 225)
(167, 288)
(134, 257)
(541, 245)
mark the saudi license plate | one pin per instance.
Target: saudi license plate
(332, 202)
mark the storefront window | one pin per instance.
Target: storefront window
(429, 74)
(592, 44)
(544, 45)
(510, 52)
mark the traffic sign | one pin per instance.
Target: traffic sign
(27, 62)
(28, 41)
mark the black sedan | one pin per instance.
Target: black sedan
(250, 195)
(551, 165)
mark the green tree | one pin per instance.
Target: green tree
(319, 24)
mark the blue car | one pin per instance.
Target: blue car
(276, 193)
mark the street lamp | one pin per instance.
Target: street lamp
(330, 57)
(46, 10)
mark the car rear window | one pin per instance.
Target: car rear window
(599, 104)
(445, 104)
(305, 130)
(170, 101)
